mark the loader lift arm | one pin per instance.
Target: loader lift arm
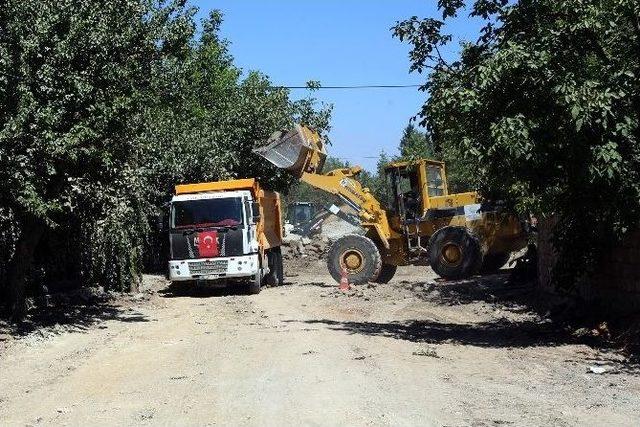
(342, 183)
(302, 153)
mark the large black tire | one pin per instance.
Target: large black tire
(255, 283)
(278, 266)
(454, 253)
(359, 255)
(386, 273)
(494, 262)
(275, 277)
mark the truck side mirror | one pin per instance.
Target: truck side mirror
(255, 211)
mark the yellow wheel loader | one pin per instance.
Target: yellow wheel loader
(458, 235)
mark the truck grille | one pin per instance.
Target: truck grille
(208, 267)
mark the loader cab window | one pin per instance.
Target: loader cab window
(299, 214)
(435, 181)
(406, 191)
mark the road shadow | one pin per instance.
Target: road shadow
(76, 311)
(190, 290)
(599, 329)
(497, 334)
(499, 289)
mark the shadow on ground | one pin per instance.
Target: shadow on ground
(501, 333)
(185, 289)
(190, 290)
(71, 312)
(496, 289)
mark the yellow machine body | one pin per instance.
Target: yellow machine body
(400, 235)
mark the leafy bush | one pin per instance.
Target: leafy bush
(543, 111)
(104, 107)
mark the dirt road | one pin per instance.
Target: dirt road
(407, 353)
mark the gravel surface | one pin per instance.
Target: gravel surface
(413, 352)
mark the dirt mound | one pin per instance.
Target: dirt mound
(315, 247)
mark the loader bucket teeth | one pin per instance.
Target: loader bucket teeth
(299, 150)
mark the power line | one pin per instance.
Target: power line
(349, 87)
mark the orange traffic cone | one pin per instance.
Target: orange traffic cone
(344, 281)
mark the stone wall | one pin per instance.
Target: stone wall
(615, 286)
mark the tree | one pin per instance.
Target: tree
(542, 111)
(380, 186)
(73, 78)
(415, 144)
(104, 107)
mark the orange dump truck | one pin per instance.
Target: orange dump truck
(226, 230)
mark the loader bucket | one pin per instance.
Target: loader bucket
(298, 150)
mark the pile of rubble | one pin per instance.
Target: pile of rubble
(314, 247)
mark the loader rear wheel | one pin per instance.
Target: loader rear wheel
(358, 255)
(454, 253)
(494, 262)
(386, 273)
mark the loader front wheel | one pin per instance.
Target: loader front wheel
(358, 255)
(454, 253)
(386, 273)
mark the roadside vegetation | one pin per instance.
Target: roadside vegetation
(103, 108)
(541, 111)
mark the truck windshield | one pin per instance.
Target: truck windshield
(226, 212)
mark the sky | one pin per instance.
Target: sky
(337, 42)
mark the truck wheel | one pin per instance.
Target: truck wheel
(255, 285)
(494, 262)
(279, 272)
(358, 255)
(275, 277)
(454, 253)
(386, 273)
(270, 278)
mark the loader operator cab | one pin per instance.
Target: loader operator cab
(412, 184)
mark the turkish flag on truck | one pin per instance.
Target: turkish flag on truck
(208, 244)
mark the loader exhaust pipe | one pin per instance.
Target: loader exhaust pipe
(298, 150)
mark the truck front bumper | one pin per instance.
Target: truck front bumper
(214, 268)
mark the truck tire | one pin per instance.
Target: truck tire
(358, 255)
(270, 279)
(279, 266)
(386, 273)
(494, 262)
(454, 253)
(255, 284)
(275, 277)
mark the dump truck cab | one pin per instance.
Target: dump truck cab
(224, 230)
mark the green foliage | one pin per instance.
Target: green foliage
(379, 186)
(104, 107)
(415, 144)
(543, 111)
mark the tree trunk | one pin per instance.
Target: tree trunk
(19, 267)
